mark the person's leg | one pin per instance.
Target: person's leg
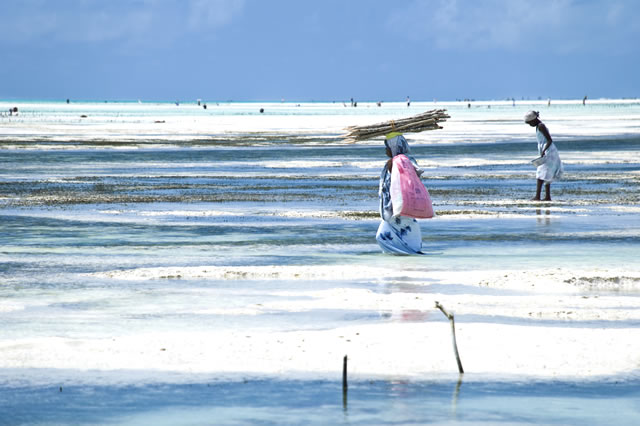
(547, 188)
(538, 190)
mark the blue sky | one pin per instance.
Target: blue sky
(301, 50)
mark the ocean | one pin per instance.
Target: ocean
(167, 263)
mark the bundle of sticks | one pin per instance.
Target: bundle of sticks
(418, 123)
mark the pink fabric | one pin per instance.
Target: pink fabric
(409, 196)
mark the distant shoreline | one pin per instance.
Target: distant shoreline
(561, 101)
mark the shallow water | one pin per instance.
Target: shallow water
(322, 402)
(105, 241)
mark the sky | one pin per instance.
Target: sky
(319, 50)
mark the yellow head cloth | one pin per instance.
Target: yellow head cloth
(392, 135)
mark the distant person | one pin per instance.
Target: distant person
(67, 100)
(204, 106)
(351, 101)
(551, 169)
(584, 100)
(408, 102)
(261, 110)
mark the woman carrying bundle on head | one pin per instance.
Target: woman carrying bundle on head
(403, 198)
(549, 164)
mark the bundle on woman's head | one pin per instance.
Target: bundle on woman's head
(531, 115)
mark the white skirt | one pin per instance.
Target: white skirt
(552, 168)
(401, 235)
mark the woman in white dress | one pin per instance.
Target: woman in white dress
(551, 168)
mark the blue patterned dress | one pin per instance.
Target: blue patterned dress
(401, 234)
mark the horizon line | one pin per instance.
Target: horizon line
(284, 101)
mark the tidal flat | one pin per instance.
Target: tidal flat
(156, 257)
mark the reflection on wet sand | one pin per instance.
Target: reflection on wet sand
(543, 217)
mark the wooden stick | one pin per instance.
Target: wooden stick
(344, 374)
(397, 125)
(426, 121)
(453, 333)
(344, 383)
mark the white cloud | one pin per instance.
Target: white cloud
(559, 25)
(208, 14)
(133, 22)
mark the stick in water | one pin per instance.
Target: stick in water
(344, 383)
(453, 333)
(344, 374)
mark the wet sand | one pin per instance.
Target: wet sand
(197, 255)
